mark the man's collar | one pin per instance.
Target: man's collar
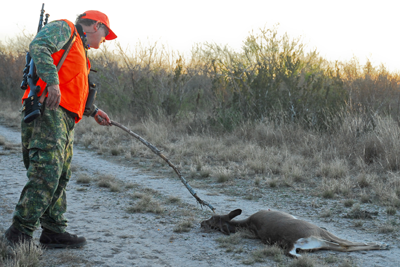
(81, 34)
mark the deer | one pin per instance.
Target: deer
(286, 231)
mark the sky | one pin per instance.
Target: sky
(339, 30)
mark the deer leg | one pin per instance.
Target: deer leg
(355, 247)
(316, 243)
(309, 243)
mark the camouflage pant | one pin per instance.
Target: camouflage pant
(47, 144)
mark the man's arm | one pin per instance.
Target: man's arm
(48, 41)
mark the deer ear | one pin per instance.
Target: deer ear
(234, 213)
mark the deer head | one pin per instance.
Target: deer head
(222, 222)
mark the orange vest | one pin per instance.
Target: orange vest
(73, 77)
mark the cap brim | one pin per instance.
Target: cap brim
(111, 35)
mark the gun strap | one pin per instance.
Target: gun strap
(69, 45)
(63, 57)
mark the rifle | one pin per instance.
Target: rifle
(32, 104)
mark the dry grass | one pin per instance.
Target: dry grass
(83, 178)
(145, 203)
(184, 226)
(173, 200)
(109, 181)
(231, 243)
(326, 213)
(389, 226)
(26, 254)
(10, 115)
(304, 261)
(2, 141)
(274, 252)
(363, 166)
(285, 156)
(348, 203)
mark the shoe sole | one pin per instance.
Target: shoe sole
(50, 246)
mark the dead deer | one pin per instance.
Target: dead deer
(285, 230)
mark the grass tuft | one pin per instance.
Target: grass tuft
(145, 204)
(274, 252)
(25, 254)
(83, 178)
(184, 226)
(304, 261)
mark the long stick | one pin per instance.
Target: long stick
(158, 152)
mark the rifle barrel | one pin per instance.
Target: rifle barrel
(41, 18)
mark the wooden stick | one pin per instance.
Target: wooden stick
(158, 152)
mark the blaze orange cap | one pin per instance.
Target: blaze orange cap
(99, 16)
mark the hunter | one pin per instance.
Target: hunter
(47, 142)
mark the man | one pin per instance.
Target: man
(48, 141)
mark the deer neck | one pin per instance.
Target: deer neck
(240, 223)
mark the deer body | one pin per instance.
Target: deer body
(275, 227)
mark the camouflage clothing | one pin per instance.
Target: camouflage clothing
(47, 152)
(51, 39)
(47, 145)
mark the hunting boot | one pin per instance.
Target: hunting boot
(50, 239)
(14, 237)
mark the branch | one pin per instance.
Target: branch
(158, 152)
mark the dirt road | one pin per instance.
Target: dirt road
(119, 238)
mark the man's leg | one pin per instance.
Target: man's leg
(44, 141)
(53, 219)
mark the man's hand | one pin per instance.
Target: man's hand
(102, 118)
(54, 97)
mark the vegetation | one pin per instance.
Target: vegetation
(272, 113)
(24, 254)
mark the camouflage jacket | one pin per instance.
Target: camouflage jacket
(48, 41)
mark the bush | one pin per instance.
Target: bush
(216, 88)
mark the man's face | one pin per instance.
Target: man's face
(96, 35)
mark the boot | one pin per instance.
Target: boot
(50, 239)
(14, 237)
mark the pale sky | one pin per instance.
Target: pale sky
(338, 29)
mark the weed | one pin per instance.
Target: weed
(146, 204)
(205, 173)
(358, 223)
(106, 180)
(115, 151)
(391, 210)
(348, 203)
(357, 213)
(110, 181)
(2, 141)
(328, 194)
(183, 226)
(24, 254)
(326, 213)
(115, 187)
(386, 228)
(223, 175)
(130, 185)
(365, 198)
(173, 200)
(331, 259)
(275, 252)
(231, 241)
(273, 183)
(304, 261)
(83, 179)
